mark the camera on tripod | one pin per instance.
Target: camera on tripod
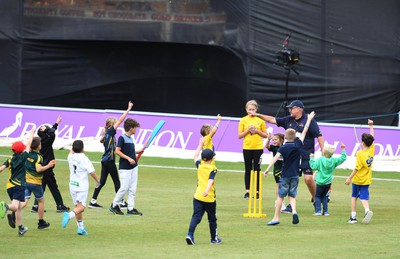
(289, 57)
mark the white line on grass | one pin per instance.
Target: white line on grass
(220, 170)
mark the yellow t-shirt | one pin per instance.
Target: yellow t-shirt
(32, 176)
(364, 160)
(208, 143)
(255, 141)
(203, 175)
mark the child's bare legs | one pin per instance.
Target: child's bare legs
(24, 204)
(40, 208)
(75, 213)
(79, 209)
(292, 201)
(295, 217)
(15, 206)
(279, 201)
(365, 204)
(353, 206)
(311, 185)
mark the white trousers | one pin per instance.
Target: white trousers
(128, 179)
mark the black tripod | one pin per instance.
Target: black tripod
(286, 101)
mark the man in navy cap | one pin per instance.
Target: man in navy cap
(297, 120)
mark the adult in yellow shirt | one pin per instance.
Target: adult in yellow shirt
(252, 130)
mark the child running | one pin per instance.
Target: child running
(79, 167)
(16, 183)
(34, 175)
(325, 166)
(361, 177)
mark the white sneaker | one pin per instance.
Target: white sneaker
(367, 217)
(283, 207)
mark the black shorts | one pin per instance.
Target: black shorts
(17, 193)
(277, 176)
(305, 167)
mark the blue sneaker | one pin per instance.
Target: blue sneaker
(3, 209)
(273, 223)
(217, 240)
(295, 219)
(288, 209)
(82, 232)
(65, 219)
(190, 240)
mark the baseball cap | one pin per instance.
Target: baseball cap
(18, 147)
(207, 154)
(296, 103)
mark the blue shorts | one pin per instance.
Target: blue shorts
(360, 191)
(36, 189)
(17, 193)
(288, 186)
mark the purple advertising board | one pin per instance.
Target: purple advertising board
(180, 132)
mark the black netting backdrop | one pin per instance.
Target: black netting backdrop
(204, 56)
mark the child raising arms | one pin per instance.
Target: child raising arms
(290, 151)
(207, 132)
(361, 177)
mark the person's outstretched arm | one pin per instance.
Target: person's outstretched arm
(305, 130)
(215, 128)
(371, 127)
(29, 141)
(123, 116)
(267, 118)
(271, 164)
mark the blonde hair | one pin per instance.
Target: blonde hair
(252, 102)
(290, 134)
(205, 129)
(110, 121)
(329, 150)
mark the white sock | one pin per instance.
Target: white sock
(353, 214)
(93, 201)
(71, 214)
(80, 224)
(366, 210)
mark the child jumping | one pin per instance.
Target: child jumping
(361, 177)
(79, 167)
(325, 165)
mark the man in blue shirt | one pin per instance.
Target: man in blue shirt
(296, 120)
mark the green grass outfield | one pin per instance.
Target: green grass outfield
(164, 195)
